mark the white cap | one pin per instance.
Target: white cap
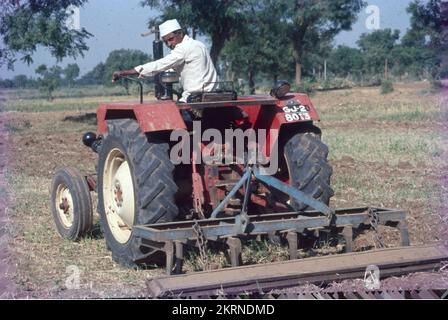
(169, 26)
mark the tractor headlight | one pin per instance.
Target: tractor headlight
(280, 89)
(88, 139)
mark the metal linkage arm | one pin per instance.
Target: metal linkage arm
(294, 193)
(277, 184)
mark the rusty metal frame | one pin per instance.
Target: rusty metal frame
(262, 278)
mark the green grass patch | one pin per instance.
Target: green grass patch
(61, 104)
(19, 126)
(404, 104)
(254, 252)
(410, 115)
(393, 111)
(257, 252)
(75, 92)
(44, 106)
(382, 190)
(386, 146)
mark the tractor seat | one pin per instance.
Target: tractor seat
(211, 96)
(223, 91)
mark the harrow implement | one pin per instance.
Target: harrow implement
(173, 237)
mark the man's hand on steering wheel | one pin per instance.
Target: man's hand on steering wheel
(116, 76)
(119, 74)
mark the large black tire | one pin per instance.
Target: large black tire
(153, 189)
(308, 167)
(71, 204)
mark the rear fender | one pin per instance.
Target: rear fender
(154, 117)
(296, 108)
(293, 114)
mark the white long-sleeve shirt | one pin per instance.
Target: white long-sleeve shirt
(192, 62)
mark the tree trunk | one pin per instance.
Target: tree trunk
(386, 69)
(251, 82)
(50, 95)
(298, 78)
(297, 53)
(297, 40)
(325, 70)
(217, 44)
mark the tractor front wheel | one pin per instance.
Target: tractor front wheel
(71, 204)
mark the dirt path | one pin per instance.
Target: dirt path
(7, 287)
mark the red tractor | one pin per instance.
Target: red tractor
(138, 183)
(166, 179)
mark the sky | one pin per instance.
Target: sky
(117, 24)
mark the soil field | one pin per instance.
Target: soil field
(386, 150)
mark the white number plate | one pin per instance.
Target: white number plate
(296, 112)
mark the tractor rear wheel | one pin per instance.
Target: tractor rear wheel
(308, 167)
(135, 187)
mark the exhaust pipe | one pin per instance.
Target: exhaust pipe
(157, 53)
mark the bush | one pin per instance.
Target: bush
(374, 81)
(444, 72)
(304, 87)
(386, 87)
(436, 85)
(335, 84)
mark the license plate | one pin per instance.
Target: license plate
(296, 112)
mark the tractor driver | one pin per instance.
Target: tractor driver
(189, 58)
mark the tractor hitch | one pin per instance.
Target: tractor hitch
(256, 174)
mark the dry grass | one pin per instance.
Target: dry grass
(386, 150)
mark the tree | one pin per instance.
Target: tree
(7, 83)
(258, 48)
(95, 76)
(431, 17)
(310, 22)
(50, 79)
(429, 21)
(123, 59)
(305, 21)
(20, 81)
(272, 42)
(314, 57)
(218, 19)
(25, 25)
(376, 48)
(71, 72)
(344, 61)
(243, 54)
(413, 56)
